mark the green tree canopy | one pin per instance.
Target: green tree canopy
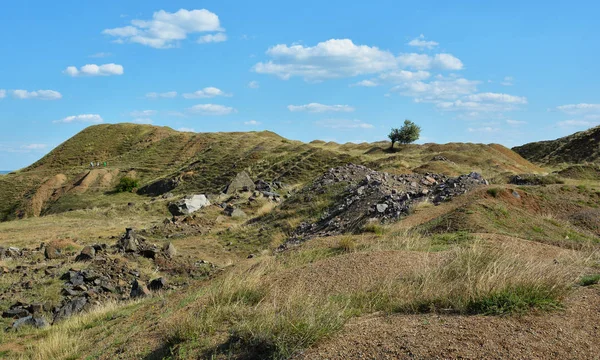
(408, 133)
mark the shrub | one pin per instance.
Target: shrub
(127, 184)
(590, 280)
(493, 192)
(347, 244)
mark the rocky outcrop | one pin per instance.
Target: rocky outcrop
(242, 182)
(376, 196)
(160, 187)
(188, 205)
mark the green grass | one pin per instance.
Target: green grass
(589, 280)
(455, 238)
(494, 192)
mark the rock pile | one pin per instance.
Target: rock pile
(372, 195)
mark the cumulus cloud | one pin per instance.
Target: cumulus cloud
(507, 81)
(515, 122)
(95, 70)
(253, 85)
(212, 109)
(425, 62)
(320, 108)
(142, 113)
(344, 124)
(577, 123)
(582, 108)
(100, 55)
(498, 98)
(405, 76)
(252, 123)
(2, 93)
(142, 121)
(439, 89)
(84, 118)
(485, 129)
(39, 94)
(166, 29)
(34, 146)
(212, 38)
(333, 58)
(164, 95)
(366, 83)
(207, 92)
(420, 42)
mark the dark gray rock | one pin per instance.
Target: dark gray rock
(242, 182)
(38, 322)
(70, 308)
(138, 290)
(158, 284)
(88, 253)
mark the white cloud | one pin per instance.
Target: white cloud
(508, 81)
(440, 89)
(405, 75)
(486, 129)
(515, 122)
(212, 38)
(212, 109)
(366, 83)
(333, 58)
(101, 55)
(142, 121)
(319, 108)
(498, 98)
(95, 70)
(164, 95)
(142, 113)
(39, 94)
(253, 85)
(34, 146)
(207, 92)
(2, 93)
(343, 124)
(420, 42)
(577, 123)
(166, 29)
(86, 118)
(425, 62)
(184, 129)
(582, 108)
(252, 123)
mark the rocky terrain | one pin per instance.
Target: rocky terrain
(251, 246)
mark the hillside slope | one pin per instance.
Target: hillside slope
(583, 146)
(205, 162)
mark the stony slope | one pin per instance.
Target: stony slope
(583, 146)
(63, 179)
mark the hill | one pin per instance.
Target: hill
(205, 162)
(578, 148)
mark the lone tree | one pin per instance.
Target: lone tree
(408, 133)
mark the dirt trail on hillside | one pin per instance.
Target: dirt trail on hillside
(45, 193)
(569, 334)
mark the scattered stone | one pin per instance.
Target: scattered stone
(516, 194)
(169, 250)
(149, 253)
(188, 205)
(382, 207)
(38, 322)
(158, 284)
(242, 182)
(138, 290)
(52, 252)
(88, 253)
(70, 308)
(15, 313)
(129, 242)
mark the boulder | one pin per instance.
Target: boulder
(38, 322)
(87, 254)
(128, 242)
(188, 205)
(158, 284)
(138, 290)
(169, 250)
(15, 313)
(242, 182)
(70, 308)
(52, 252)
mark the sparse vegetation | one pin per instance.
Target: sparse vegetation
(127, 184)
(589, 280)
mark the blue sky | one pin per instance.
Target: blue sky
(470, 71)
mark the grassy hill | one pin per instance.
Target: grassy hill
(581, 147)
(205, 162)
